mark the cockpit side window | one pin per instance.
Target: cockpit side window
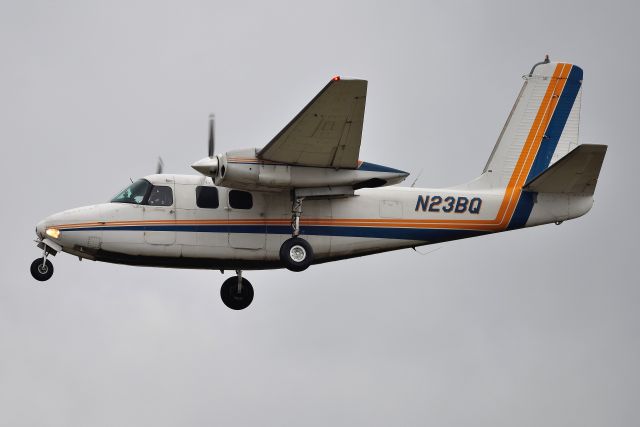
(160, 195)
(136, 193)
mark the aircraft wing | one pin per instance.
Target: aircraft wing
(327, 132)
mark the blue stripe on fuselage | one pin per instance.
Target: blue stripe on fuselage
(420, 234)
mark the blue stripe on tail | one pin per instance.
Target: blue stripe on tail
(557, 122)
(548, 145)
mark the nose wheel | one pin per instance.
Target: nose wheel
(236, 292)
(41, 269)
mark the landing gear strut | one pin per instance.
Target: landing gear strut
(236, 292)
(296, 253)
(42, 268)
(296, 213)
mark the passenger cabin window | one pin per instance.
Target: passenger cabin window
(240, 199)
(207, 197)
(136, 193)
(160, 195)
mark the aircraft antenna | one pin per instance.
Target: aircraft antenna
(416, 180)
(428, 252)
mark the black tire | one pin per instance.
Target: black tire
(230, 296)
(296, 254)
(41, 272)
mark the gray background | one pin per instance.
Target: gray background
(533, 327)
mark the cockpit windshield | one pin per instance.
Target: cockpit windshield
(135, 193)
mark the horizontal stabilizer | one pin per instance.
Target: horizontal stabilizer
(575, 173)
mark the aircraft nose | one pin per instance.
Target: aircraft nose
(40, 228)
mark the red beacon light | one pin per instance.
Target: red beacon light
(335, 78)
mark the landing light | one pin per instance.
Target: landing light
(53, 232)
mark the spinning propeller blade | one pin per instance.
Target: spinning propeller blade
(212, 134)
(209, 165)
(160, 166)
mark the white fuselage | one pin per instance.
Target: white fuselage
(239, 236)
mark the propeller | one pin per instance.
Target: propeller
(212, 135)
(209, 165)
(160, 166)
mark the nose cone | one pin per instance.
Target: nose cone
(40, 228)
(61, 221)
(44, 225)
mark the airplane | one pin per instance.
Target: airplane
(306, 198)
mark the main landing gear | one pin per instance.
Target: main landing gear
(236, 292)
(296, 253)
(42, 268)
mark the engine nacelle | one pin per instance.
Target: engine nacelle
(242, 170)
(236, 174)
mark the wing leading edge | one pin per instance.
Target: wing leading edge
(327, 132)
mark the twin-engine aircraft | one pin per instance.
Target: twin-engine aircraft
(305, 198)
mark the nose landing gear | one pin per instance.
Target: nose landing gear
(237, 292)
(296, 253)
(42, 268)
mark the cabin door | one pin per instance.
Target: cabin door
(160, 215)
(247, 229)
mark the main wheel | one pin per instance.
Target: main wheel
(41, 271)
(232, 298)
(296, 254)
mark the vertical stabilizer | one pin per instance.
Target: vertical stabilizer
(542, 126)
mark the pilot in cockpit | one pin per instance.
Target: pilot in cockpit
(160, 196)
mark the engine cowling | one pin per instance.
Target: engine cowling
(243, 170)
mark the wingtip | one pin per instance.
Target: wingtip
(338, 78)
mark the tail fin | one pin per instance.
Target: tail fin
(542, 126)
(575, 173)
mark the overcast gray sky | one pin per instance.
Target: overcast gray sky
(533, 327)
